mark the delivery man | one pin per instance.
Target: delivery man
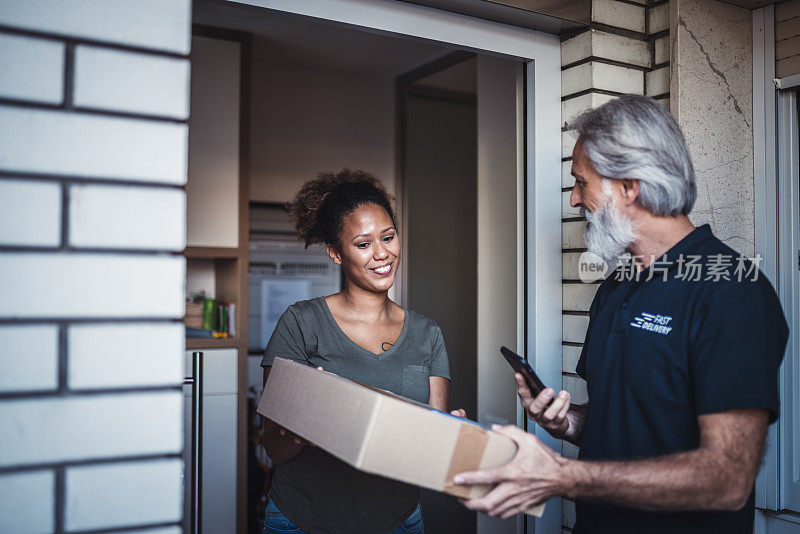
(681, 356)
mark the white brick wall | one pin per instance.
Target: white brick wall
(64, 143)
(90, 426)
(617, 54)
(125, 355)
(130, 82)
(619, 14)
(30, 69)
(127, 217)
(658, 81)
(93, 157)
(31, 351)
(30, 213)
(32, 492)
(569, 357)
(91, 285)
(601, 44)
(101, 495)
(153, 24)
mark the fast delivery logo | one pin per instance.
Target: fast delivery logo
(653, 323)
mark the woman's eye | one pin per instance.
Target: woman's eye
(363, 245)
(388, 238)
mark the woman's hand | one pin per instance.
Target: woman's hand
(460, 412)
(288, 434)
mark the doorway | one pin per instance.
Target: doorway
(516, 300)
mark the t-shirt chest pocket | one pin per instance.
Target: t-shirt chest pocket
(416, 382)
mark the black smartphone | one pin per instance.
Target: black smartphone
(521, 366)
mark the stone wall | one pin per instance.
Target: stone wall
(712, 99)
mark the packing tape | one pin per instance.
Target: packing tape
(467, 455)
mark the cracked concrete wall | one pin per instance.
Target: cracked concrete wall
(711, 90)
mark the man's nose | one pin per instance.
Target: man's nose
(575, 199)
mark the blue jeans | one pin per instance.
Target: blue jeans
(277, 523)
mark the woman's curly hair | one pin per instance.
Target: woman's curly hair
(320, 207)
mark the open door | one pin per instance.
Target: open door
(464, 225)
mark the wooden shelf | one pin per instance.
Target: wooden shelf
(211, 343)
(213, 252)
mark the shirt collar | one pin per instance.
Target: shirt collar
(684, 247)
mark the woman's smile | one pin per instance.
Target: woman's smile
(383, 270)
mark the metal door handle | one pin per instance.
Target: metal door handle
(197, 441)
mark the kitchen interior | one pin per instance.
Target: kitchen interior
(276, 98)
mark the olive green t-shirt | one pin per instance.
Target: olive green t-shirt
(316, 491)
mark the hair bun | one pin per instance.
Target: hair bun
(318, 221)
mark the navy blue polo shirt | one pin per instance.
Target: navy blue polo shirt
(701, 331)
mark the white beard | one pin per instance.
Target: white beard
(609, 232)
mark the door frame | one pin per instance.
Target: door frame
(539, 220)
(777, 240)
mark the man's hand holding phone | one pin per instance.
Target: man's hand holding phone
(552, 416)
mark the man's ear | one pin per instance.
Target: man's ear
(333, 254)
(629, 190)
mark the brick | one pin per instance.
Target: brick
(659, 19)
(30, 213)
(125, 355)
(572, 107)
(68, 143)
(569, 265)
(787, 10)
(594, 75)
(27, 502)
(569, 358)
(29, 358)
(123, 494)
(658, 81)
(572, 234)
(661, 50)
(131, 82)
(568, 513)
(90, 426)
(577, 389)
(566, 209)
(573, 328)
(596, 43)
(577, 297)
(664, 102)
(567, 180)
(151, 24)
(31, 69)
(127, 217)
(91, 285)
(618, 14)
(568, 140)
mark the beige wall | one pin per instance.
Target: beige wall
(712, 100)
(308, 118)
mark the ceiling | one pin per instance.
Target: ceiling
(291, 38)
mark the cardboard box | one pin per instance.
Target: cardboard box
(380, 432)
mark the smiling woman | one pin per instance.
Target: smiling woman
(360, 334)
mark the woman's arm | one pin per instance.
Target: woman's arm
(440, 393)
(280, 444)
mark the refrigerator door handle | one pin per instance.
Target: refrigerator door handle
(197, 442)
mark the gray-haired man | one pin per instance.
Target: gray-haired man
(681, 363)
